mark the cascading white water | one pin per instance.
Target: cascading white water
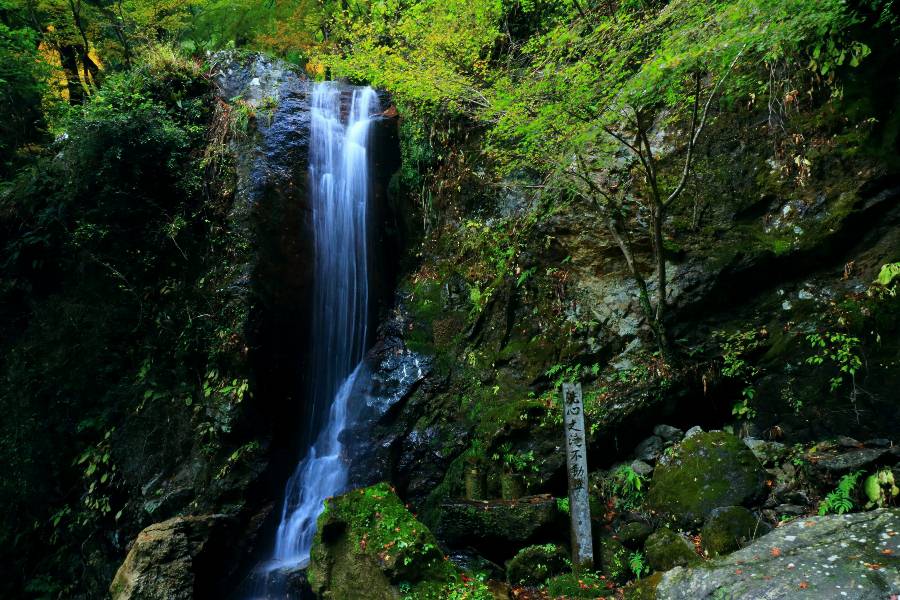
(339, 180)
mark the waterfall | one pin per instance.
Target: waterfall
(339, 189)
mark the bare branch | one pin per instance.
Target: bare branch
(695, 133)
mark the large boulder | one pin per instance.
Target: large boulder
(175, 560)
(368, 543)
(706, 471)
(854, 556)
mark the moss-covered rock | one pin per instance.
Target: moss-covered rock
(729, 528)
(479, 523)
(666, 549)
(634, 534)
(535, 564)
(643, 589)
(367, 539)
(704, 472)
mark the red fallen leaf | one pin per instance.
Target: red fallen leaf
(775, 552)
(465, 578)
(738, 572)
(804, 585)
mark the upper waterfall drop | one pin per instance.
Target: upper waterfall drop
(339, 177)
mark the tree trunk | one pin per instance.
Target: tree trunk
(68, 57)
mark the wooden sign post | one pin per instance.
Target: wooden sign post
(576, 466)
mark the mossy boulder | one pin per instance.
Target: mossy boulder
(666, 549)
(535, 564)
(634, 534)
(367, 539)
(730, 528)
(704, 472)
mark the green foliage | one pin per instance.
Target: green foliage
(23, 85)
(115, 265)
(638, 564)
(626, 486)
(841, 350)
(888, 274)
(880, 488)
(515, 462)
(840, 500)
(736, 350)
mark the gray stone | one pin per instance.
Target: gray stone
(693, 431)
(850, 461)
(879, 443)
(855, 556)
(767, 452)
(848, 442)
(641, 468)
(791, 509)
(793, 497)
(650, 449)
(668, 433)
(164, 559)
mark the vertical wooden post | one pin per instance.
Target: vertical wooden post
(576, 466)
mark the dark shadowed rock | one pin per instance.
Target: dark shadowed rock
(650, 449)
(854, 556)
(496, 522)
(634, 534)
(668, 433)
(849, 461)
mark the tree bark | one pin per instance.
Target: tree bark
(68, 57)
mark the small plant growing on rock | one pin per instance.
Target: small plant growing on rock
(841, 350)
(736, 347)
(627, 486)
(880, 488)
(637, 564)
(840, 500)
